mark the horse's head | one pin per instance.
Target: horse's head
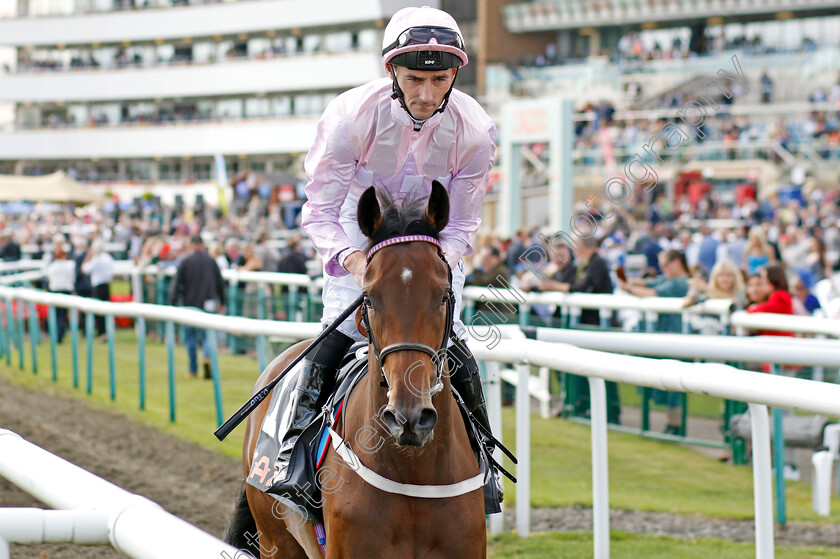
(408, 304)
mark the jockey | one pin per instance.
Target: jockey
(397, 133)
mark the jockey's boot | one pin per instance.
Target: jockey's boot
(466, 380)
(318, 371)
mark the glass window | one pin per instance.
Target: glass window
(170, 171)
(139, 170)
(281, 106)
(229, 108)
(338, 42)
(201, 171)
(257, 107)
(312, 43)
(369, 39)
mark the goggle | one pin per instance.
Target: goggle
(424, 35)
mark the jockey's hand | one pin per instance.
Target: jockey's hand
(356, 264)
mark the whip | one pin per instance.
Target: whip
(257, 398)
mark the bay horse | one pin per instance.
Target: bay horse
(401, 420)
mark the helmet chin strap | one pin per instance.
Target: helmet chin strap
(397, 93)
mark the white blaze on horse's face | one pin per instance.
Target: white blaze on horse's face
(406, 275)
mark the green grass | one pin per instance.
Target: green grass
(195, 407)
(578, 545)
(699, 405)
(644, 475)
(120, 287)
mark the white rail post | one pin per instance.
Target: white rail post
(523, 451)
(819, 372)
(494, 411)
(545, 392)
(600, 469)
(762, 482)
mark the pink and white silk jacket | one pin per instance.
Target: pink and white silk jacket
(365, 138)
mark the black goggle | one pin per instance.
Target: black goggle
(424, 35)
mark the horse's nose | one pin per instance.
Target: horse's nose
(415, 430)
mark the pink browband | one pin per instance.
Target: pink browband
(407, 239)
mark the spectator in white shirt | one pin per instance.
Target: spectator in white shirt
(100, 266)
(61, 278)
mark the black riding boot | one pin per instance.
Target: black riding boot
(318, 371)
(466, 380)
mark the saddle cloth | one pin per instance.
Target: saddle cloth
(301, 490)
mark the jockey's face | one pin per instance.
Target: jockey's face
(423, 92)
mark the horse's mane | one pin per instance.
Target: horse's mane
(406, 218)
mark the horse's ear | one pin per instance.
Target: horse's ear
(368, 212)
(437, 212)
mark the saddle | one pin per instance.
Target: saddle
(302, 490)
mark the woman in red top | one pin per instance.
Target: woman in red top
(779, 301)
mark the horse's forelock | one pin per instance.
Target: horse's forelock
(399, 219)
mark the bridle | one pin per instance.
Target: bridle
(438, 356)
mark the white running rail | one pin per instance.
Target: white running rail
(95, 511)
(759, 389)
(723, 381)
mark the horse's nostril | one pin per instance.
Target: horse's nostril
(427, 420)
(392, 422)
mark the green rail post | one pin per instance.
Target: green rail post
(12, 333)
(261, 301)
(112, 357)
(89, 340)
(779, 459)
(141, 359)
(524, 313)
(262, 353)
(231, 308)
(293, 303)
(170, 359)
(160, 300)
(212, 345)
(645, 408)
(684, 418)
(21, 331)
(3, 337)
(34, 336)
(74, 340)
(53, 329)
(469, 310)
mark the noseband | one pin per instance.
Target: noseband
(439, 355)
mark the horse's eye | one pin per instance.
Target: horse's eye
(367, 302)
(445, 299)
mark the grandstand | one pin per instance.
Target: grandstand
(136, 95)
(639, 62)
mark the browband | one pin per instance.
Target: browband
(406, 239)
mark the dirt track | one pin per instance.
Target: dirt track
(190, 482)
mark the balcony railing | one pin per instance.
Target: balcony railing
(325, 73)
(51, 8)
